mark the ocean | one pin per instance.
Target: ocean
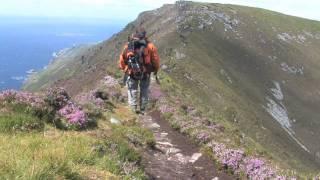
(28, 44)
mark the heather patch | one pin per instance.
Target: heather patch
(238, 162)
(113, 88)
(57, 98)
(164, 107)
(56, 154)
(73, 116)
(202, 137)
(233, 160)
(26, 111)
(256, 168)
(68, 115)
(21, 111)
(95, 100)
(19, 97)
(229, 158)
(189, 120)
(156, 93)
(101, 97)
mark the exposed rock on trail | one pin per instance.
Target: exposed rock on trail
(175, 156)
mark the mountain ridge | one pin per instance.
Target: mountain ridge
(256, 69)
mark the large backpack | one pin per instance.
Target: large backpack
(135, 58)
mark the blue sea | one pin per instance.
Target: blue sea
(28, 44)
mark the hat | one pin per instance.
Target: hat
(140, 33)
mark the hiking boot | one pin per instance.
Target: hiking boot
(142, 110)
(134, 109)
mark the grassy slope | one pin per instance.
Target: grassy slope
(245, 60)
(36, 156)
(246, 63)
(61, 68)
(46, 152)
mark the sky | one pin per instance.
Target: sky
(129, 9)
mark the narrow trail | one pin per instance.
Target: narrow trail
(175, 156)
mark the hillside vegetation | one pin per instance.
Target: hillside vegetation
(43, 138)
(253, 71)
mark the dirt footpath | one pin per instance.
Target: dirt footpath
(175, 156)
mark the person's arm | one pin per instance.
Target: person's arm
(155, 59)
(122, 59)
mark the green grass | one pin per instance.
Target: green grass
(232, 136)
(208, 52)
(56, 154)
(19, 117)
(34, 156)
(19, 122)
(33, 149)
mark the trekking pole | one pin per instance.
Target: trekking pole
(157, 79)
(125, 78)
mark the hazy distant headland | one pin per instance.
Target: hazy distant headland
(29, 43)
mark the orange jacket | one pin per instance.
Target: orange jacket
(151, 58)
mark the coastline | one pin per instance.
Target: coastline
(28, 45)
(60, 60)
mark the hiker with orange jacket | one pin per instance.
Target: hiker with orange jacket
(138, 60)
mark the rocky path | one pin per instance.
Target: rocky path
(175, 156)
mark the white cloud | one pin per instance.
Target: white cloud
(95, 2)
(117, 3)
(154, 3)
(99, 3)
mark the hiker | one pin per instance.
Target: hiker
(138, 60)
